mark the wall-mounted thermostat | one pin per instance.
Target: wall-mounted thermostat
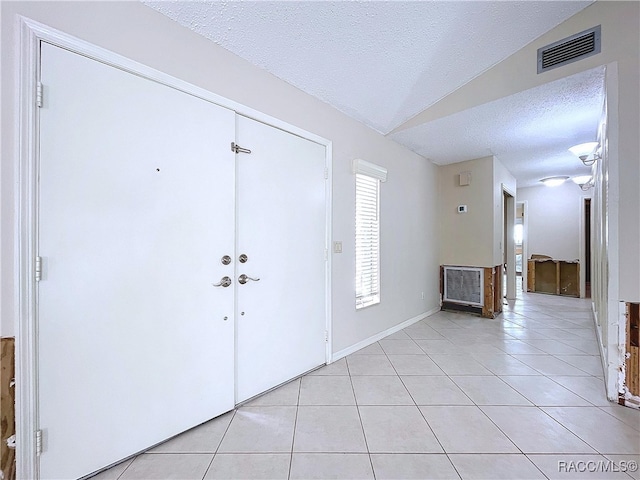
(462, 209)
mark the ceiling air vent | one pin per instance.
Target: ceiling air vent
(571, 49)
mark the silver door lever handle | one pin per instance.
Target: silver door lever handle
(224, 282)
(244, 279)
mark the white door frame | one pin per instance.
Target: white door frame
(31, 34)
(509, 250)
(582, 256)
(525, 243)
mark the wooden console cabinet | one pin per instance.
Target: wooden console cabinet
(555, 277)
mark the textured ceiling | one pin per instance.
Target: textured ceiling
(380, 62)
(529, 132)
(383, 62)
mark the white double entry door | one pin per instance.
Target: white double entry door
(148, 226)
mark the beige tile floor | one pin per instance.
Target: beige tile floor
(452, 396)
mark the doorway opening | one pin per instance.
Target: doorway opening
(508, 243)
(587, 247)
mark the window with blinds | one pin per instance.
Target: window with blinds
(367, 241)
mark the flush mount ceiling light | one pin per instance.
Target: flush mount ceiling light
(554, 181)
(586, 152)
(585, 182)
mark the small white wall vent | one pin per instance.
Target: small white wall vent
(464, 179)
(464, 285)
(569, 50)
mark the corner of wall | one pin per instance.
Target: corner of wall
(466, 238)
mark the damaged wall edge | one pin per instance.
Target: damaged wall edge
(629, 392)
(7, 407)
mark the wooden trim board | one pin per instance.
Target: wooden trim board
(632, 376)
(7, 407)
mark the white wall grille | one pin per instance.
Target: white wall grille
(464, 285)
(570, 49)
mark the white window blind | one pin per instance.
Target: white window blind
(367, 241)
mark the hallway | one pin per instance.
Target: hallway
(452, 396)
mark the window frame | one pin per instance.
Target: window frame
(367, 241)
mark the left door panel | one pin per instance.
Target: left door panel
(135, 211)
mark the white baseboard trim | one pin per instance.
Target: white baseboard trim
(379, 336)
(603, 355)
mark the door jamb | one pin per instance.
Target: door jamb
(525, 243)
(582, 255)
(25, 244)
(509, 207)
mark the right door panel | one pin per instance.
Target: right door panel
(281, 228)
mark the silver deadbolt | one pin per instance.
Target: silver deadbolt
(226, 260)
(244, 279)
(243, 258)
(224, 282)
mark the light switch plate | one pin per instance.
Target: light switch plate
(337, 247)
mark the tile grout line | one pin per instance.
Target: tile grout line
(488, 334)
(452, 464)
(235, 410)
(484, 413)
(364, 435)
(418, 407)
(478, 407)
(295, 425)
(398, 375)
(568, 429)
(127, 467)
(623, 421)
(536, 466)
(550, 377)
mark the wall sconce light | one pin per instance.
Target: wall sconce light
(585, 182)
(554, 181)
(586, 152)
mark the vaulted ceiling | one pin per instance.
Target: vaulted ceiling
(385, 62)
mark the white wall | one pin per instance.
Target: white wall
(474, 238)
(610, 322)
(409, 263)
(502, 181)
(620, 21)
(553, 220)
(466, 239)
